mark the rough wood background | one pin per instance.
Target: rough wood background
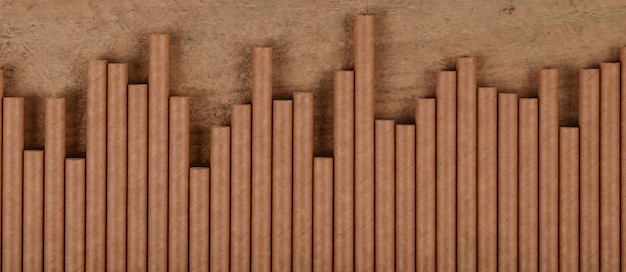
(44, 46)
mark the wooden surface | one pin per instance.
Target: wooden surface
(44, 48)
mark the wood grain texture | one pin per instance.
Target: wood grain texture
(384, 192)
(219, 235)
(303, 181)
(75, 214)
(323, 214)
(405, 197)
(199, 194)
(568, 199)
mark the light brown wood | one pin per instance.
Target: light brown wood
(609, 166)
(405, 197)
(178, 221)
(54, 187)
(220, 199)
(385, 195)
(622, 157)
(303, 182)
(446, 171)
(568, 199)
(117, 155)
(548, 170)
(33, 211)
(199, 214)
(487, 179)
(159, 84)
(323, 214)
(425, 183)
(343, 152)
(589, 116)
(507, 181)
(241, 156)
(528, 224)
(75, 214)
(282, 140)
(137, 252)
(261, 159)
(466, 164)
(364, 142)
(12, 171)
(96, 165)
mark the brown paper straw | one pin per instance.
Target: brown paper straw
(158, 82)
(343, 152)
(568, 199)
(364, 142)
(116, 165)
(466, 160)
(96, 165)
(622, 156)
(405, 197)
(384, 194)
(12, 155)
(609, 166)
(54, 187)
(446, 170)
(75, 214)
(303, 181)
(33, 210)
(241, 126)
(137, 177)
(589, 122)
(323, 214)
(220, 198)
(261, 159)
(507, 181)
(281, 185)
(487, 179)
(178, 244)
(199, 217)
(528, 184)
(548, 170)
(425, 127)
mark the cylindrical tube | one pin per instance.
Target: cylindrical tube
(199, 217)
(507, 181)
(12, 156)
(75, 214)
(385, 194)
(302, 181)
(96, 165)
(609, 166)
(159, 84)
(364, 142)
(241, 156)
(220, 199)
(54, 184)
(137, 177)
(528, 184)
(487, 179)
(323, 214)
(549, 170)
(405, 197)
(568, 199)
(33, 210)
(117, 148)
(282, 139)
(425, 216)
(178, 223)
(261, 159)
(446, 170)
(589, 122)
(343, 152)
(466, 160)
